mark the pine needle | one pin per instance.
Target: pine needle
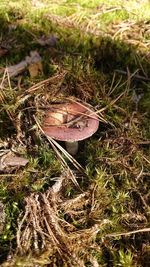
(58, 148)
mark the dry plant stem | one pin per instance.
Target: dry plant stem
(143, 230)
(2, 94)
(136, 76)
(89, 113)
(74, 162)
(72, 177)
(41, 226)
(46, 82)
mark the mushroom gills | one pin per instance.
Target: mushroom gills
(72, 147)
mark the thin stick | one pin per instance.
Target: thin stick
(65, 164)
(3, 95)
(9, 174)
(40, 84)
(106, 11)
(77, 165)
(143, 230)
(88, 109)
(111, 103)
(136, 76)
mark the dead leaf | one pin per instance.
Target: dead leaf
(11, 160)
(35, 69)
(15, 161)
(35, 64)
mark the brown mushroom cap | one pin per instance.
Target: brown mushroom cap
(70, 122)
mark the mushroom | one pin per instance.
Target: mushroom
(70, 122)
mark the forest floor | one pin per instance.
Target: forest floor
(93, 209)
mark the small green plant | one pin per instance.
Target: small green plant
(124, 259)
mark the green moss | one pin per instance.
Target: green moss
(123, 258)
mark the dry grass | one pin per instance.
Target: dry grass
(42, 228)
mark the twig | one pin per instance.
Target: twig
(136, 76)
(103, 12)
(148, 161)
(143, 230)
(91, 112)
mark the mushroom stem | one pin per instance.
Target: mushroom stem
(72, 147)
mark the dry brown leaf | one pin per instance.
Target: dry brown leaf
(35, 69)
(34, 64)
(10, 160)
